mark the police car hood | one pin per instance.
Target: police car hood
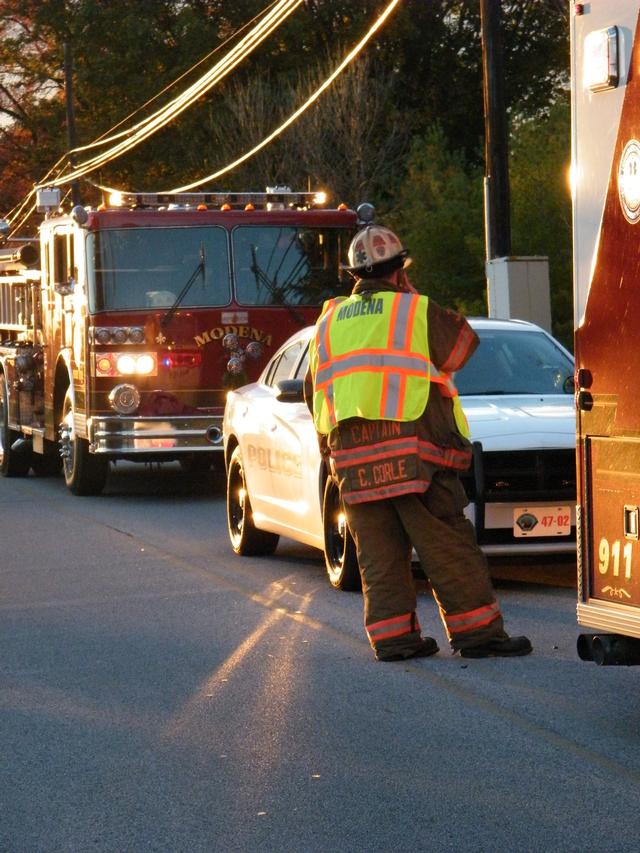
(521, 422)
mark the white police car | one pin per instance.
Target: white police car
(517, 393)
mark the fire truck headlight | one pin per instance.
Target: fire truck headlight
(126, 365)
(142, 364)
(124, 399)
(145, 364)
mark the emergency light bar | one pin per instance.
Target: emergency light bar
(601, 60)
(281, 198)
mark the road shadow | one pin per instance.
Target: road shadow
(163, 480)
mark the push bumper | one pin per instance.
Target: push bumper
(162, 436)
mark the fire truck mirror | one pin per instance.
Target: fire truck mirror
(65, 288)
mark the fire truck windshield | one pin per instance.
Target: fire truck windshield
(134, 268)
(285, 265)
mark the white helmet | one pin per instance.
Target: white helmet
(376, 249)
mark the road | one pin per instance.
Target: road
(159, 693)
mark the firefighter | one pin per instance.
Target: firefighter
(389, 419)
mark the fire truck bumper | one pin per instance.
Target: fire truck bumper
(168, 436)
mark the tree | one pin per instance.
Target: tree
(127, 50)
(440, 217)
(541, 204)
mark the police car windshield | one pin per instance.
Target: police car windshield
(514, 361)
(284, 265)
(134, 268)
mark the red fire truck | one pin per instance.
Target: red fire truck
(122, 328)
(605, 38)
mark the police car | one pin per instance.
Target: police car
(517, 393)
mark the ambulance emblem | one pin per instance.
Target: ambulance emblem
(629, 181)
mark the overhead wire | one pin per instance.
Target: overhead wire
(295, 115)
(257, 35)
(104, 139)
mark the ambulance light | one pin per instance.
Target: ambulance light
(600, 69)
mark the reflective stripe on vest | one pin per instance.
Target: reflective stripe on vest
(354, 378)
(445, 457)
(448, 389)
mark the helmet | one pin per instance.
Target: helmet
(376, 251)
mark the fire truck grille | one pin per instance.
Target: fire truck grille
(522, 476)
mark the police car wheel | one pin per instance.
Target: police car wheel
(12, 463)
(245, 537)
(340, 555)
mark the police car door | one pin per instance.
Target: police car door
(294, 451)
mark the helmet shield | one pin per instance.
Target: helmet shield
(376, 250)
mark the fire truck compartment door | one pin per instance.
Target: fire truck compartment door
(612, 519)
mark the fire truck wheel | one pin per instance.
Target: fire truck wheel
(340, 555)
(12, 463)
(245, 537)
(84, 473)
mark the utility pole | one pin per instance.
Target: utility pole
(516, 286)
(71, 117)
(497, 197)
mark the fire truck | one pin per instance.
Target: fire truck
(123, 327)
(605, 56)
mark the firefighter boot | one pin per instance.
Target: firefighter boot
(427, 647)
(499, 647)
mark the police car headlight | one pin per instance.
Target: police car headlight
(124, 399)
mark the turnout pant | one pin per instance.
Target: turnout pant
(434, 524)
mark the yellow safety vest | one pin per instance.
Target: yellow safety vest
(353, 376)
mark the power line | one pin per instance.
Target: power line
(294, 116)
(15, 212)
(103, 139)
(258, 34)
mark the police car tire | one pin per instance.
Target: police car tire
(245, 537)
(340, 557)
(87, 473)
(12, 464)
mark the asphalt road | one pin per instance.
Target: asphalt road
(159, 693)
